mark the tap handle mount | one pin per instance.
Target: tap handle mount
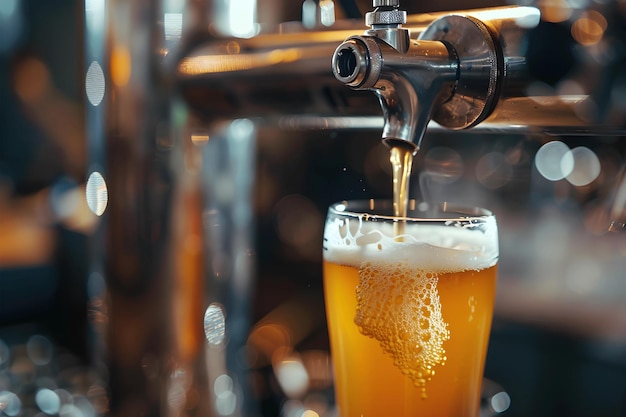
(479, 74)
(385, 13)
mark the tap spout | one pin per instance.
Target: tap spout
(409, 85)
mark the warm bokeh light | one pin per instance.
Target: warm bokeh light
(233, 47)
(120, 65)
(589, 28)
(555, 11)
(69, 206)
(31, 80)
(207, 64)
(271, 341)
(199, 138)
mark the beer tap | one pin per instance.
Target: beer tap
(450, 74)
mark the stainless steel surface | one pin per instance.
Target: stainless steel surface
(479, 70)
(228, 167)
(288, 72)
(273, 74)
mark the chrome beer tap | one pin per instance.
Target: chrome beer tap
(449, 74)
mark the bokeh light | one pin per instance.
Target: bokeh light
(95, 84)
(225, 398)
(32, 80)
(585, 168)
(589, 28)
(120, 67)
(500, 402)
(40, 349)
(292, 376)
(96, 193)
(10, 404)
(554, 161)
(555, 10)
(48, 401)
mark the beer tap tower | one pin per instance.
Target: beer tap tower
(464, 69)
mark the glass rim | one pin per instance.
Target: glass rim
(367, 207)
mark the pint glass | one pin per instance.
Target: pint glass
(409, 304)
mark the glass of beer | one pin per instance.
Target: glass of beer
(409, 304)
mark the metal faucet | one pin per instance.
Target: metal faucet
(449, 74)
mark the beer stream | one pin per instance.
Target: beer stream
(401, 158)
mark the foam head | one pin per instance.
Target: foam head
(450, 241)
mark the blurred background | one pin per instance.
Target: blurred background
(558, 345)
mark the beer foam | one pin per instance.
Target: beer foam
(459, 246)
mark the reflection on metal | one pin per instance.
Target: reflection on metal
(287, 74)
(96, 193)
(228, 167)
(95, 84)
(318, 13)
(214, 324)
(132, 250)
(617, 213)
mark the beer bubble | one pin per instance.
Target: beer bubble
(399, 307)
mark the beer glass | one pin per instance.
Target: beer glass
(409, 305)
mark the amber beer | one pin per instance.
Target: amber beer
(409, 316)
